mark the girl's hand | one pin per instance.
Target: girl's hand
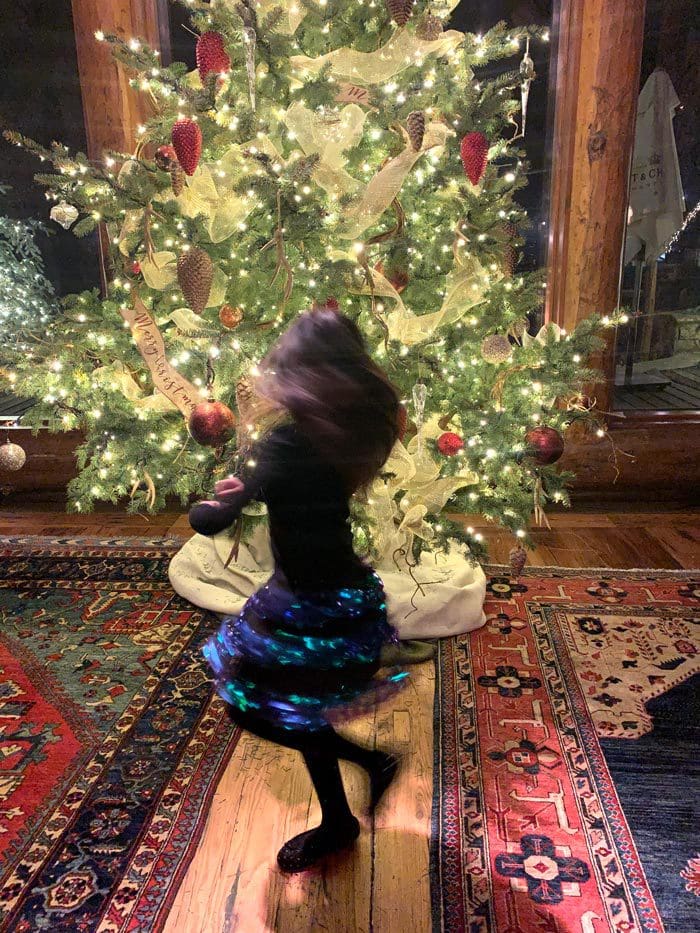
(227, 488)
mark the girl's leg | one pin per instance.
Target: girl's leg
(380, 766)
(338, 828)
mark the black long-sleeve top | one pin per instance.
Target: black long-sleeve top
(308, 512)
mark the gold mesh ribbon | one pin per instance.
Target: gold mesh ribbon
(403, 50)
(410, 489)
(385, 186)
(466, 287)
(329, 135)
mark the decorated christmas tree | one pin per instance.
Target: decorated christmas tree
(323, 152)
(27, 299)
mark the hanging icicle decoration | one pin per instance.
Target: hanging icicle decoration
(250, 39)
(527, 76)
(420, 391)
(538, 496)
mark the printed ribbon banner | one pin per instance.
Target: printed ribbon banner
(165, 377)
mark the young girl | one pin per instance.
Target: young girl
(305, 648)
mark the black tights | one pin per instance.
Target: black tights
(321, 750)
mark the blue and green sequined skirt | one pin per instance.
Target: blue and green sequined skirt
(301, 660)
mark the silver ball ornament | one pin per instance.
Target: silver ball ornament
(496, 349)
(12, 457)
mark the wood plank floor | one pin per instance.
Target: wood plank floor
(232, 885)
(638, 537)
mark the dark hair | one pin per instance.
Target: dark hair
(321, 373)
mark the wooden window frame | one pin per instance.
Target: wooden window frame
(598, 60)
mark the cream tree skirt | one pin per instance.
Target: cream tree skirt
(449, 602)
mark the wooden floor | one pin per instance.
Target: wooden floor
(680, 393)
(638, 537)
(265, 795)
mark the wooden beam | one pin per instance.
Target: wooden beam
(111, 108)
(597, 85)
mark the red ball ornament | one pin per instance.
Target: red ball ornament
(187, 142)
(398, 278)
(211, 55)
(449, 444)
(165, 158)
(212, 423)
(230, 317)
(474, 152)
(545, 445)
(328, 304)
(135, 267)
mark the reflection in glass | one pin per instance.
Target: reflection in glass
(658, 352)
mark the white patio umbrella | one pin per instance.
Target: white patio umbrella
(657, 205)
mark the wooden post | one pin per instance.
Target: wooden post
(112, 109)
(597, 85)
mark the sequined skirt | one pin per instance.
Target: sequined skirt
(302, 660)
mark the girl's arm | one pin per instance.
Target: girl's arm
(213, 515)
(232, 494)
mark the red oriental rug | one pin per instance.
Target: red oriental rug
(566, 758)
(111, 742)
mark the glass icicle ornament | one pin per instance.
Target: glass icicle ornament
(420, 393)
(249, 40)
(527, 76)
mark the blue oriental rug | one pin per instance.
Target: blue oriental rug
(111, 742)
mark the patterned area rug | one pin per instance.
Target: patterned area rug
(566, 758)
(111, 743)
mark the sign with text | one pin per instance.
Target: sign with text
(165, 377)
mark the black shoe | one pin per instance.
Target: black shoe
(381, 778)
(307, 848)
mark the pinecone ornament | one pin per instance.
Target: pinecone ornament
(244, 393)
(177, 179)
(510, 253)
(518, 559)
(496, 349)
(195, 273)
(415, 124)
(429, 28)
(400, 10)
(245, 402)
(187, 142)
(474, 152)
(211, 55)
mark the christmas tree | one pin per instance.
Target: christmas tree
(323, 152)
(27, 299)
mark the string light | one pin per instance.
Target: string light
(689, 218)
